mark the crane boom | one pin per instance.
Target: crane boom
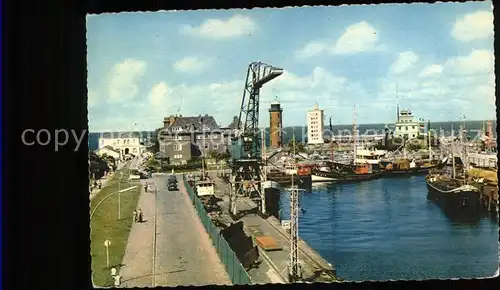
(258, 74)
(246, 155)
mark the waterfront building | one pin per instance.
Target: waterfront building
(109, 151)
(315, 125)
(124, 143)
(183, 138)
(276, 124)
(406, 125)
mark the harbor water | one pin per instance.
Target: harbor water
(387, 229)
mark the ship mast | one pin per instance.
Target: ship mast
(264, 156)
(355, 133)
(429, 139)
(294, 273)
(331, 144)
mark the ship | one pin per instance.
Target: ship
(341, 173)
(453, 193)
(405, 167)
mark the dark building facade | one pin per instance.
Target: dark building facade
(183, 138)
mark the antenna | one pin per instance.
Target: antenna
(180, 106)
(294, 274)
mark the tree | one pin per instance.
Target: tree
(156, 142)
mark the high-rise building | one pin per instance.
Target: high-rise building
(315, 126)
(276, 124)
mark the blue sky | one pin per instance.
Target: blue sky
(144, 66)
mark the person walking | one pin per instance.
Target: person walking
(118, 280)
(139, 215)
(134, 214)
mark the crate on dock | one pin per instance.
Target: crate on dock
(267, 243)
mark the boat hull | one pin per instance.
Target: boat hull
(272, 192)
(347, 177)
(464, 198)
(413, 171)
(318, 178)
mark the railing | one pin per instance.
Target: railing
(233, 266)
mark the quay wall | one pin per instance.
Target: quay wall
(236, 271)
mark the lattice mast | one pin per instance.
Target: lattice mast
(294, 267)
(247, 158)
(355, 132)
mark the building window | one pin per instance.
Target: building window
(216, 146)
(118, 142)
(206, 146)
(134, 150)
(177, 147)
(162, 148)
(178, 156)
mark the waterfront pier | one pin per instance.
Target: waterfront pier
(273, 243)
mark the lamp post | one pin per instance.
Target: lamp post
(107, 243)
(119, 196)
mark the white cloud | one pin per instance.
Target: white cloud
(474, 26)
(191, 64)
(463, 85)
(159, 94)
(359, 37)
(405, 61)
(124, 80)
(477, 62)
(297, 94)
(238, 25)
(311, 49)
(431, 70)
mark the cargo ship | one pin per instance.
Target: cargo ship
(453, 193)
(341, 173)
(405, 167)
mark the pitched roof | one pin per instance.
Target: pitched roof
(195, 123)
(234, 123)
(111, 135)
(111, 148)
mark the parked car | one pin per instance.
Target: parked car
(172, 187)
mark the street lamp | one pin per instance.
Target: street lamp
(119, 196)
(107, 243)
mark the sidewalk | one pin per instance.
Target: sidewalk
(104, 181)
(137, 267)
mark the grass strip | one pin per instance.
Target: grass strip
(106, 226)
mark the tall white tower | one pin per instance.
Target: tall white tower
(315, 125)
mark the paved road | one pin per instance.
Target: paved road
(184, 252)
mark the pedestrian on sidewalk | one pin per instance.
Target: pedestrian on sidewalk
(146, 188)
(99, 185)
(113, 272)
(139, 215)
(118, 280)
(134, 214)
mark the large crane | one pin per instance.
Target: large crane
(246, 148)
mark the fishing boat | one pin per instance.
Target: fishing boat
(405, 167)
(341, 173)
(453, 193)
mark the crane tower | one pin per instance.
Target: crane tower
(246, 152)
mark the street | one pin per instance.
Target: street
(180, 248)
(184, 252)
